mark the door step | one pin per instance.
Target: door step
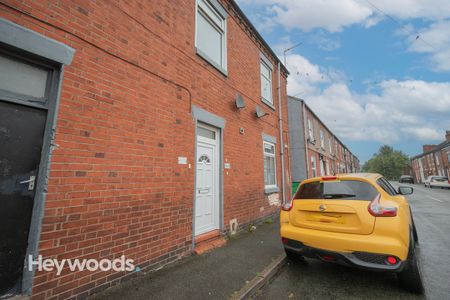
(208, 241)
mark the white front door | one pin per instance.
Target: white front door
(207, 180)
(322, 168)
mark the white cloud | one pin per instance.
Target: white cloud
(412, 109)
(330, 15)
(410, 9)
(305, 76)
(334, 15)
(434, 40)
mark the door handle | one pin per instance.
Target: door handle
(30, 182)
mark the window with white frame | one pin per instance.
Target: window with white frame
(270, 179)
(322, 140)
(266, 81)
(210, 38)
(330, 146)
(310, 130)
(313, 166)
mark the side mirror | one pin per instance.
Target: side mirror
(405, 190)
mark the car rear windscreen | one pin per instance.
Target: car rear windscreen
(338, 190)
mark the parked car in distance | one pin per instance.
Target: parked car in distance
(358, 220)
(406, 179)
(437, 181)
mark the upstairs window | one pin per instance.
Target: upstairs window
(322, 140)
(210, 35)
(330, 146)
(266, 80)
(310, 131)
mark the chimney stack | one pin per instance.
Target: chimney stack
(427, 148)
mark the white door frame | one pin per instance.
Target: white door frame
(216, 144)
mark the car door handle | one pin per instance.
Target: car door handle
(30, 182)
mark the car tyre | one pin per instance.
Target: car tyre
(410, 278)
(294, 257)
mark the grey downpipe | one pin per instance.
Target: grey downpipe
(305, 140)
(280, 122)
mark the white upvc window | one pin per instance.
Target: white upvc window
(266, 80)
(310, 130)
(313, 166)
(322, 140)
(211, 33)
(330, 146)
(270, 178)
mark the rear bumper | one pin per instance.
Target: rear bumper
(440, 185)
(389, 244)
(361, 260)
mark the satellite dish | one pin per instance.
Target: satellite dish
(240, 101)
(260, 112)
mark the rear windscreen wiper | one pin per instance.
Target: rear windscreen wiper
(333, 196)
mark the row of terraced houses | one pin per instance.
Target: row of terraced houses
(434, 160)
(144, 129)
(315, 149)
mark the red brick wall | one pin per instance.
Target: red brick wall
(115, 187)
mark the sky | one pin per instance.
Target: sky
(375, 71)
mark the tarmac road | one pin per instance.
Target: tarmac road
(318, 280)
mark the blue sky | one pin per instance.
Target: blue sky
(362, 69)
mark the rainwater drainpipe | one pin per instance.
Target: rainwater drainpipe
(280, 125)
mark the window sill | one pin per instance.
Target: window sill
(271, 190)
(270, 105)
(206, 58)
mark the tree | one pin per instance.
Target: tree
(388, 162)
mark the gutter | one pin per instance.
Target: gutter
(280, 126)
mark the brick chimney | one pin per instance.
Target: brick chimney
(447, 135)
(427, 148)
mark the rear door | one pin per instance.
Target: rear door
(334, 205)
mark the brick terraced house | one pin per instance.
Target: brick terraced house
(434, 160)
(315, 149)
(144, 129)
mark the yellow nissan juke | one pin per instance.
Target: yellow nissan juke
(358, 220)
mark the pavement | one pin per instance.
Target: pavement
(219, 274)
(318, 280)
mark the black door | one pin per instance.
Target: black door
(21, 136)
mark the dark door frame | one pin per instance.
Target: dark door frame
(50, 104)
(30, 47)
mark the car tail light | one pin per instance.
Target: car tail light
(327, 258)
(392, 260)
(284, 240)
(325, 178)
(377, 210)
(287, 206)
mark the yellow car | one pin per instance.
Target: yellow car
(358, 220)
